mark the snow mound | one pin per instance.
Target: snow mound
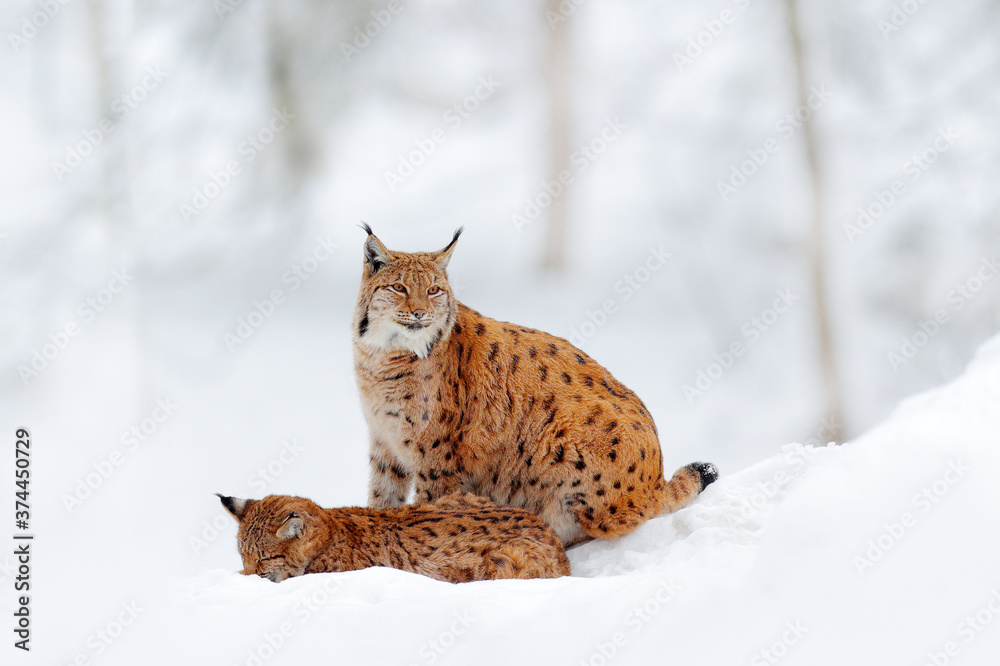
(880, 551)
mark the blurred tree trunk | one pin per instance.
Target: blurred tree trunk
(112, 24)
(298, 153)
(816, 247)
(104, 196)
(560, 119)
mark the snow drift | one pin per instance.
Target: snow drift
(880, 551)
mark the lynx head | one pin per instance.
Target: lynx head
(275, 534)
(405, 302)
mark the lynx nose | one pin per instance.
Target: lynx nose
(419, 314)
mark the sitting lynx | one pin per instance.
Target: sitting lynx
(456, 401)
(457, 539)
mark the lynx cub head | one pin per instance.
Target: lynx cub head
(405, 302)
(275, 534)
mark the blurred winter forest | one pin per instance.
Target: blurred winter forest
(773, 219)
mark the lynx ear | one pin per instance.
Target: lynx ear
(293, 527)
(442, 258)
(236, 506)
(376, 254)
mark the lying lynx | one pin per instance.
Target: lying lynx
(457, 539)
(456, 401)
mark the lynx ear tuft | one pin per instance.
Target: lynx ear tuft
(293, 527)
(376, 254)
(444, 256)
(236, 506)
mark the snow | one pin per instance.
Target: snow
(772, 545)
(879, 551)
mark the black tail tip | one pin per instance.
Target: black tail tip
(707, 471)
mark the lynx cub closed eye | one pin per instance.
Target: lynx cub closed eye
(471, 539)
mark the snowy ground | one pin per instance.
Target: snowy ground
(882, 551)
(134, 557)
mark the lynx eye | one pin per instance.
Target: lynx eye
(398, 288)
(434, 290)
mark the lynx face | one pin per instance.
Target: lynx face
(273, 537)
(405, 302)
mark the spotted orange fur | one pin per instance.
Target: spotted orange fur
(456, 401)
(458, 538)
